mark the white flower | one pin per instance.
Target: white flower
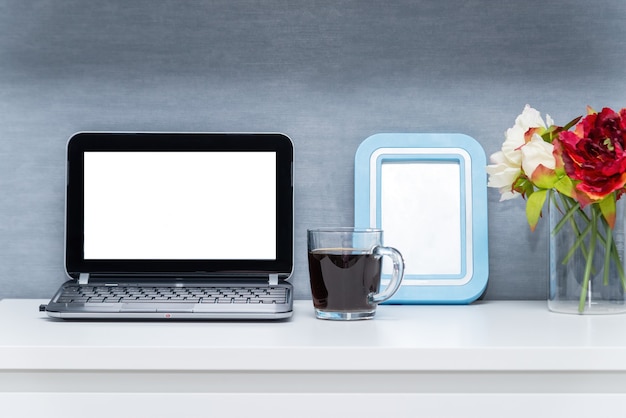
(514, 136)
(502, 174)
(508, 163)
(537, 152)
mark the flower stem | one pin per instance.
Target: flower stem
(588, 265)
(608, 247)
(571, 210)
(612, 249)
(574, 208)
(579, 240)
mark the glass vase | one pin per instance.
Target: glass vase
(586, 258)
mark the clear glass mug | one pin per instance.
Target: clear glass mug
(345, 266)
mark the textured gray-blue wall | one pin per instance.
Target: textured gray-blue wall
(328, 73)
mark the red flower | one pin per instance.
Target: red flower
(593, 154)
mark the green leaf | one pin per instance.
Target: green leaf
(607, 207)
(565, 186)
(572, 123)
(534, 204)
(543, 177)
(523, 186)
(549, 134)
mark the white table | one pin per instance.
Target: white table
(499, 358)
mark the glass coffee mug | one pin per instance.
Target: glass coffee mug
(345, 266)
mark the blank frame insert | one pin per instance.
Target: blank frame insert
(439, 242)
(428, 194)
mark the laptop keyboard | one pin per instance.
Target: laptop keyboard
(158, 294)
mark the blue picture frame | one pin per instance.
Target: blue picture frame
(428, 192)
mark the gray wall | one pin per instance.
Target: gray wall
(328, 73)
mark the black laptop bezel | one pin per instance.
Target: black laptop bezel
(146, 141)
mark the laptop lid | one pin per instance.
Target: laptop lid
(179, 204)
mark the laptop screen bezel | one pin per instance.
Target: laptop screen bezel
(83, 142)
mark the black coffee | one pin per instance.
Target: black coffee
(342, 279)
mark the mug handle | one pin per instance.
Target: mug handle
(396, 277)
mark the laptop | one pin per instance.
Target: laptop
(177, 226)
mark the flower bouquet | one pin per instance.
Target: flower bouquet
(580, 170)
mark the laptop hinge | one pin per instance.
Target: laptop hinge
(83, 278)
(273, 279)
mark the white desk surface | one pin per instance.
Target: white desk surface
(496, 335)
(488, 359)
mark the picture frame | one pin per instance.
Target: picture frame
(428, 193)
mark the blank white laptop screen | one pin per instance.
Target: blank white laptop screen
(180, 205)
